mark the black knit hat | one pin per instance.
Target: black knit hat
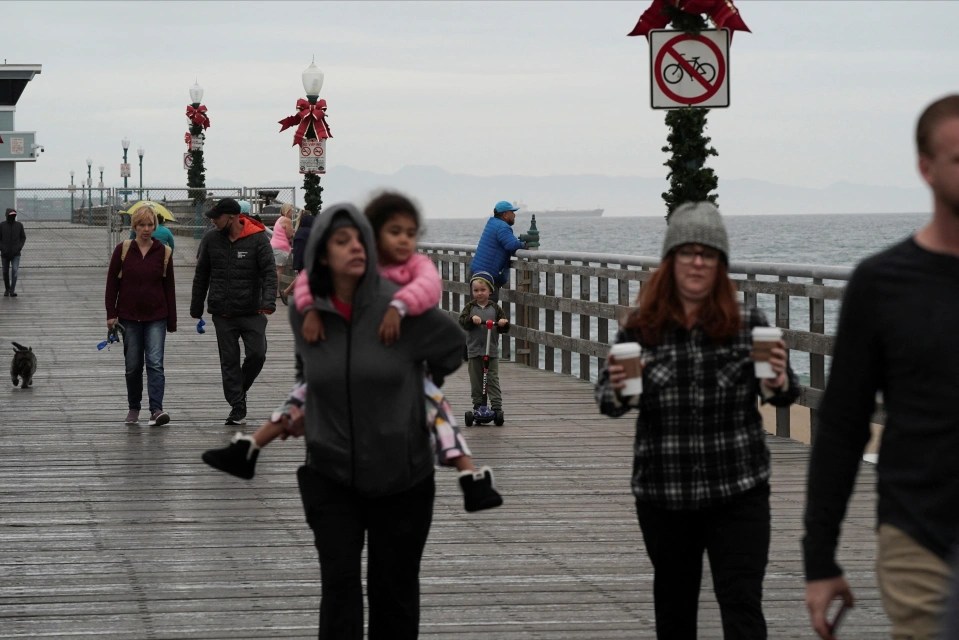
(228, 206)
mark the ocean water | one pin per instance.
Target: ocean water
(835, 240)
(838, 240)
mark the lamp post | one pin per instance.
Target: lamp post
(312, 83)
(124, 168)
(100, 186)
(140, 153)
(72, 190)
(90, 189)
(198, 121)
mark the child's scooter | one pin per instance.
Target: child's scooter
(484, 414)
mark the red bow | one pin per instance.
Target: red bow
(306, 113)
(722, 12)
(198, 116)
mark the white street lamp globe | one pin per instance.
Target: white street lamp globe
(125, 142)
(100, 168)
(72, 173)
(89, 162)
(196, 93)
(312, 80)
(140, 152)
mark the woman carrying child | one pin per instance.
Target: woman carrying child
(396, 223)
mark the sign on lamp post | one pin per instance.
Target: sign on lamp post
(313, 156)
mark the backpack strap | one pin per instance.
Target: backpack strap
(124, 248)
(167, 252)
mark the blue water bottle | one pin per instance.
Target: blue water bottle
(200, 324)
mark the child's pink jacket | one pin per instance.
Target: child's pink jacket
(418, 277)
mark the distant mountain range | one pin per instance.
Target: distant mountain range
(450, 195)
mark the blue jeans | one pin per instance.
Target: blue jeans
(144, 339)
(11, 267)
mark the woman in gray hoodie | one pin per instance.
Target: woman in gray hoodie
(369, 464)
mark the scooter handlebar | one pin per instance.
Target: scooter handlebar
(489, 324)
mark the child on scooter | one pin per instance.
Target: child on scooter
(473, 318)
(396, 224)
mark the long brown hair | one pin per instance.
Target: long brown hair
(660, 309)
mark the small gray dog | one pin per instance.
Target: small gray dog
(23, 365)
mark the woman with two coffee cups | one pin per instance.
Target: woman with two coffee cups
(701, 466)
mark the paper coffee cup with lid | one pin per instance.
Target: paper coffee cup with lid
(764, 339)
(627, 354)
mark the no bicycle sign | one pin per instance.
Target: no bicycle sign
(689, 70)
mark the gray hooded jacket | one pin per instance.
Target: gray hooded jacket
(365, 412)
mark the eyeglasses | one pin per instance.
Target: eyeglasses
(688, 255)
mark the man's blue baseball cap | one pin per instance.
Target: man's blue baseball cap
(245, 207)
(503, 206)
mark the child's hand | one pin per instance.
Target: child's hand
(476, 320)
(390, 327)
(313, 326)
(293, 424)
(502, 322)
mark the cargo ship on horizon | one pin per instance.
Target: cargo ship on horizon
(560, 213)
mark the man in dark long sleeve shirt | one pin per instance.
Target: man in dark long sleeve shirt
(897, 335)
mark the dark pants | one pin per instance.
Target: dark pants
(397, 527)
(237, 378)
(11, 268)
(735, 535)
(494, 399)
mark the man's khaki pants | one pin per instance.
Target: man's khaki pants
(914, 583)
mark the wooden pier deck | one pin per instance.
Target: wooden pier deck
(109, 531)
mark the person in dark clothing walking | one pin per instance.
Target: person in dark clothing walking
(236, 276)
(369, 475)
(897, 335)
(12, 238)
(701, 468)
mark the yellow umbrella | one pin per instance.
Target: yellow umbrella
(162, 212)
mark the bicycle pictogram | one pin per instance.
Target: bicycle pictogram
(675, 72)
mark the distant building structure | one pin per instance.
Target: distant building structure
(15, 146)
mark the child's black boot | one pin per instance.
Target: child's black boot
(478, 491)
(238, 459)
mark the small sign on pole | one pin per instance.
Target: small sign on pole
(187, 160)
(313, 156)
(688, 69)
(196, 142)
(125, 170)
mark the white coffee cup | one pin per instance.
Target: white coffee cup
(627, 354)
(764, 339)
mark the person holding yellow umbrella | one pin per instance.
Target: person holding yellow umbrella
(163, 214)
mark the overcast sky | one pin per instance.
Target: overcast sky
(821, 92)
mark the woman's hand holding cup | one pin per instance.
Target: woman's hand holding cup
(778, 356)
(626, 369)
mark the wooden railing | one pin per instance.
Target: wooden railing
(565, 307)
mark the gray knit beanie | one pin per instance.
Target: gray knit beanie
(696, 222)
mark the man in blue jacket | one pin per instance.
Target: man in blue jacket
(497, 245)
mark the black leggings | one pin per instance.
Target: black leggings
(735, 536)
(397, 527)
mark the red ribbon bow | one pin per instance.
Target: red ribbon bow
(305, 114)
(198, 116)
(722, 12)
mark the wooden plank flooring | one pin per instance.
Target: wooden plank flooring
(109, 531)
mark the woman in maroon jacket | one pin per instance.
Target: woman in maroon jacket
(141, 296)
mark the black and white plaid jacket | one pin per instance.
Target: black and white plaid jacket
(699, 434)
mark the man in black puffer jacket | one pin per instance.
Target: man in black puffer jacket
(236, 275)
